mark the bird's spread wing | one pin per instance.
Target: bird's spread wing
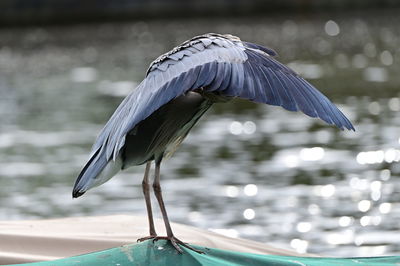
(222, 64)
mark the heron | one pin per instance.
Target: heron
(179, 87)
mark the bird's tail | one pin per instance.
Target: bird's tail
(96, 171)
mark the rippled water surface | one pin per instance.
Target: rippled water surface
(246, 170)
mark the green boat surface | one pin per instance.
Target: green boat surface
(162, 253)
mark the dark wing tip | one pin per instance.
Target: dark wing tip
(77, 193)
(340, 119)
(335, 117)
(343, 123)
(348, 125)
(343, 126)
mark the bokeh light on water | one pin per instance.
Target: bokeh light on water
(246, 170)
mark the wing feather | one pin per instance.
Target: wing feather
(299, 100)
(219, 77)
(258, 84)
(249, 88)
(271, 94)
(308, 91)
(220, 64)
(211, 74)
(203, 75)
(227, 77)
(236, 81)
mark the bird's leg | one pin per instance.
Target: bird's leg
(146, 193)
(170, 236)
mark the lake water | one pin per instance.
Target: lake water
(246, 170)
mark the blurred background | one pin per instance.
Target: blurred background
(246, 170)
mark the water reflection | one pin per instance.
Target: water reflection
(238, 128)
(299, 245)
(83, 74)
(250, 190)
(364, 205)
(249, 214)
(377, 157)
(375, 74)
(303, 227)
(385, 207)
(345, 221)
(231, 191)
(332, 28)
(312, 154)
(394, 104)
(246, 170)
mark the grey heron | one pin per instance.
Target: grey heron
(179, 87)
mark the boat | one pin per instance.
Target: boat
(111, 240)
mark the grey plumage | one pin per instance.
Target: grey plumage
(191, 77)
(214, 63)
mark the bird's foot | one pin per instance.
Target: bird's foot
(146, 238)
(176, 242)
